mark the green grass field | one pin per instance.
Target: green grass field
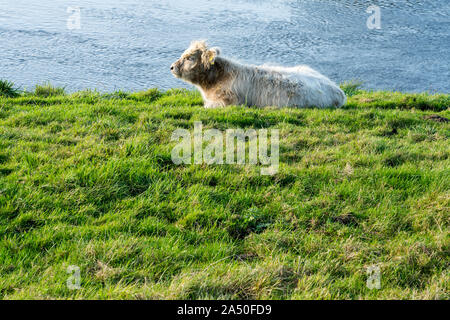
(87, 179)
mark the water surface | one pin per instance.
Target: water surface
(130, 44)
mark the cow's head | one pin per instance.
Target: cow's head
(195, 63)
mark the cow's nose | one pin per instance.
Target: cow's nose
(172, 67)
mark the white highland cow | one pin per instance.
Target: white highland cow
(224, 82)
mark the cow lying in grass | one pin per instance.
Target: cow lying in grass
(224, 82)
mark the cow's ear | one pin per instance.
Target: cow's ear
(211, 55)
(216, 50)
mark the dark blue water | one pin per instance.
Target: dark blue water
(130, 44)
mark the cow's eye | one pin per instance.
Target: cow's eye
(191, 58)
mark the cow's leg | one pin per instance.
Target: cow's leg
(213, 104)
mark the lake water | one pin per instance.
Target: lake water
(130, 44)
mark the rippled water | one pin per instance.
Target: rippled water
(130, 44)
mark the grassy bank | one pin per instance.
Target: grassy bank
(86, 179)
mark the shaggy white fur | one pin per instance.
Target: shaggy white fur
(298, 86)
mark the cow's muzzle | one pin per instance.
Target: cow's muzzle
(175, 71)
